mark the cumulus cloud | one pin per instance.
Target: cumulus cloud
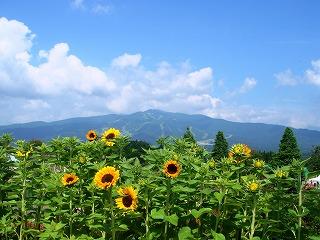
(247, 85)
(313, 75)
(169, 88)
(97, 7)
(127, 60)
(64, 86)
(65, 72)
(286, 78)
(310, 76)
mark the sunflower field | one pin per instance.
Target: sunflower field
(72, 189)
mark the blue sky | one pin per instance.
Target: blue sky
(248, 61)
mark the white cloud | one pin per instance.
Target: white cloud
(167, 88)
(101, 9)
(286, 78)
(247, 85)
(313, 75)
(35, 104)
(127, 60)
(15, 40)
(63, 86)
(79, 4)
(63, 72)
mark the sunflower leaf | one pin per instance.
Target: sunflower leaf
(185, 234)
(217, 236)
(219, 196)
(198, 213)
(173, 219)
(158, 214)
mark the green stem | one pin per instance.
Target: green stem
(147, 214)
(23, 204)
(167, 208)
(217, 218)
(104, 222)
(112, 215)
(299, 209)
(253, 219)
(93, 204)
(22, 209)
(70, 214)
(220, 208)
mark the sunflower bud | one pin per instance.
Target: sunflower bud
(258, 164)
(253, 186)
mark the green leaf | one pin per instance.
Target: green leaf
(122, 227)
(198, 213)
(157, 214)
(185, 234)
(314, 237)
(206, 191)
(217, 236)
(173, 219)
(292, 212)
(219, 196)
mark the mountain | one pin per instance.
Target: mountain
(152, 124)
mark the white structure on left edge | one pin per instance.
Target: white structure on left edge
(312, 183)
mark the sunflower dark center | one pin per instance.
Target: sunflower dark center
(69, 179)
(110, 136)
(107, 178)
(172, 168)
(92, 135)
(127, 201)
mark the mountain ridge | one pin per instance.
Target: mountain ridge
(151, 124)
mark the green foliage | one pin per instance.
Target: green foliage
(188, 136)
(224, 199)
(220, 148)
(136, 149)
(288, 148)
(314, 163)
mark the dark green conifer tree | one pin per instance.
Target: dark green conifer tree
(188, 136)
(288, 148)
(220, 147)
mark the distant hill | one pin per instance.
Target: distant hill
(152, 124)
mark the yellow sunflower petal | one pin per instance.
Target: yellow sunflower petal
(106, 177)
(171, 168)
(109, 135)
(91, 135)
(128, 199)
(69, 179)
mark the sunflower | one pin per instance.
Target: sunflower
(171, 168)
(91, 135)
(128, 199)
(239, 152)
(212, 163)
(69, 179)
(106, 177)
(281, 173)
(258, 164)
(253, 186)
(20, 154)
(109, 135)
(23, 154)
